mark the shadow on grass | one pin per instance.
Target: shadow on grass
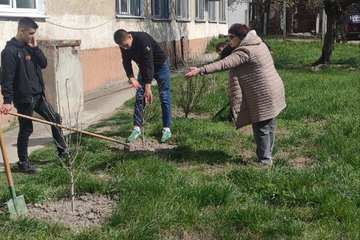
(185, 154)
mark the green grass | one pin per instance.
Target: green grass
(206, 188)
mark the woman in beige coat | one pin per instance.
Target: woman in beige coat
(256, 90)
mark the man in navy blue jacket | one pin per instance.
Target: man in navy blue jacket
(152, 61)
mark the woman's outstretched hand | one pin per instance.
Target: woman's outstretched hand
(192, 72)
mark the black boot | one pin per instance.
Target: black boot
(26, 167)
(64, 154)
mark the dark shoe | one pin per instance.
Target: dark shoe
(64, 155)
(26, 167)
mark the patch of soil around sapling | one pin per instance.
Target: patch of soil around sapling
(149, 145)
(90, 211)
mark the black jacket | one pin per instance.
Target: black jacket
(146, 52)
(15, 77)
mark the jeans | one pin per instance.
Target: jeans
(162, 76)
(264, 134)
(44, 109)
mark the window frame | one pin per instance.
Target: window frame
(197, 11)
(6, 6)
(128, 14)
(222, 6)
(12, 10)
(181, 18)
(210, 20)
(160, 17)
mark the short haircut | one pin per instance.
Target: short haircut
(27, 23)
(220, 45)
(120, 35)
(239, 30)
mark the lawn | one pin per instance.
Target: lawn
(208, 187)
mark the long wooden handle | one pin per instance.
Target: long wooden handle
(69, 128)
(5, 156)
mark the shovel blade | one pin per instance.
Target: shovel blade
(17, 207)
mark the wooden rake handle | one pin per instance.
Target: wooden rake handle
(6, 160)
(69, 128)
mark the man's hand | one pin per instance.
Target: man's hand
(33, 42)
(148, 94)
(5, 108)
(135, 83)
(192, 72)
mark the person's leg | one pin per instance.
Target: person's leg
(44, 109)
(163, 78)
(25, 131)
(264, 134)
(138, 111)
(272, 126)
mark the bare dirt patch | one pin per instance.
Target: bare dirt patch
(187, 235)
(148, 145)
(90, 211)
(180, 114)
(301, 162)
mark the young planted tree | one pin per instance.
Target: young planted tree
(74, 162)
(150, 112)
(192, 91)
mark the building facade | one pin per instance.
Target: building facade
(183, 27)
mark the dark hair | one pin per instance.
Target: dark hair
(226, 51)
(27, 23)
(239, 30)
(220, 45)
(120, 35)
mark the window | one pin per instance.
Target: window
(222, 11)
(160, 9)
(130, 7)
(200, 10)
(212, 11)
(5, 4)
(32, 8)
(182, 9)
(247, 17)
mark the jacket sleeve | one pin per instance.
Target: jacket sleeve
(147, 69)
(39, 57)
(231, 61)
(127, 64)
(8, 71)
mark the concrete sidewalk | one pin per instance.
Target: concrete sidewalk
(94, 111)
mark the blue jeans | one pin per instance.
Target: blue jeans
(162, 77)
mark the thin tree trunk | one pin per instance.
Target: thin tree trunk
(329, 41)
(72, 188)
(333, 11)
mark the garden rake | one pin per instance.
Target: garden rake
(70, 129)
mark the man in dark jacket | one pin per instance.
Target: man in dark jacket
(23, 85)
(152, 61)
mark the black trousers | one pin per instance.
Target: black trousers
(44, 109)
